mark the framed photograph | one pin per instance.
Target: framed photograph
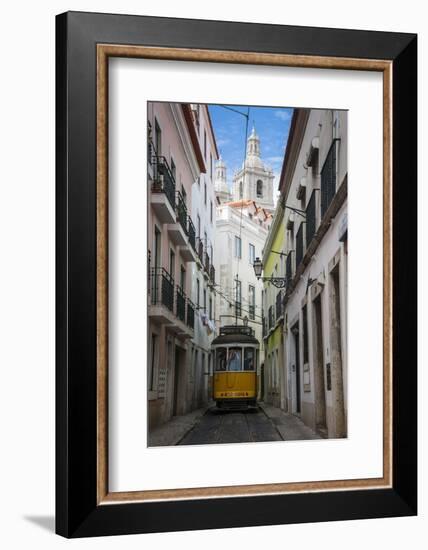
(236, 274)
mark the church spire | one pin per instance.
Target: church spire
(253, 144)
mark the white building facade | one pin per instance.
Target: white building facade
(313, 190)
(203, 270)
(174, 162)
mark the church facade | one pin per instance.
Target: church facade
(254, 181)
(243, 218)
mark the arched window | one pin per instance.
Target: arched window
(259, 188)
(241, 190)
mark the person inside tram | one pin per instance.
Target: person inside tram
(221, 359)
(234, 360)
(248, 360)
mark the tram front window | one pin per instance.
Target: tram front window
(249, 359)
(221, 359)
(234, 360)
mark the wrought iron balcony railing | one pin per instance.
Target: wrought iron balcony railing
(163, 180)
(190, 314)
(207, 262)
(181, 211)
(180, 300)
(191, 233)
(200, 249)
(162, 288)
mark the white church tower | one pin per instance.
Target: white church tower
(255, 180)
(221, 188)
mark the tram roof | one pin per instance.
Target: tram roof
(226, 339)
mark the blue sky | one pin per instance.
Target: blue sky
(272, 125)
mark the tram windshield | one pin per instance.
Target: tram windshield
(231, 359)
(234, 359)
(249, 359)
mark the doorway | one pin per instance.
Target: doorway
(178, 356)
(320, 402)
(296, 337)
(336, 355)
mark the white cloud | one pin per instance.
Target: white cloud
(283, 115)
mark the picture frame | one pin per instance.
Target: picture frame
(84, 44)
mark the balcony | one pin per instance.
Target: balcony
(200, 251)
(180, 301)
(190, 320)
(161, 301)
(178, 230)
(163, 190)
(169, 307)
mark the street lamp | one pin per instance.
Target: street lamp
(279, 282)
(258, 267)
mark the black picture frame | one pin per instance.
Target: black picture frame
(77, 511)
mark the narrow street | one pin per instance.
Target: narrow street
(266, 423)
(232, 427)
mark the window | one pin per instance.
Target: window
(249, 359)
(211, 166)
(198, 225)
(211, 211)
(205, 145)
(305, 335)
(238, 248)
(205, 193)
(205, 301)
(184, 194)
(234, 359)
(328, 179)
(252, 301)
(220, 359)
(183, 278)
(198, 290)
(154, 351)
(299, 246)
(211, 308)
(310, 219)
(238, 297)
(158, 138)
(259, 188)
(241, 190)
(172, 263)
(251, 253)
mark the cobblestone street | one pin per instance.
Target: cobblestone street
(265, 423)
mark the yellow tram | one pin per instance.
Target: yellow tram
(235, 367)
